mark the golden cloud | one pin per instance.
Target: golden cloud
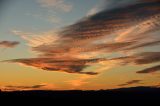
(124, 28)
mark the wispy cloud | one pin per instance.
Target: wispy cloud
(131, 83)
(93, 11)
(80, 81)
(150, 70)
(8, 44)
(36, 40)
(14, 88)
(97, 8)
(129, 26)
(48, 17)
(33, 87)
(139, 59)
(56, 4)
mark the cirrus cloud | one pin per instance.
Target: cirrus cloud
(56, 4)
(127, 27)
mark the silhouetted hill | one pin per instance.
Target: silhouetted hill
(124, 95)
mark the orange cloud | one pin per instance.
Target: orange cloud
(99, 39)
(80, 80)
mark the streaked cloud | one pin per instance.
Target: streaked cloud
(128, 27)
(47, 18)
(33, 87)
(80, 81)
(150, 70)
(56, 4)
(54, 19)
(8, 44)
(139, 59)
(97, 8)
(35, 40)
(53, 64)
(14, 88)
(131, 83)
(93, 11)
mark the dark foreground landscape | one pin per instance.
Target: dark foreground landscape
(124, 95)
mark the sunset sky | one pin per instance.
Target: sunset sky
(79, 44)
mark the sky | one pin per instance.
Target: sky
(79, 44)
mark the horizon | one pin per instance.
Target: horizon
(136, 88)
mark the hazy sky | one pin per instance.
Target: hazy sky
(79, 44)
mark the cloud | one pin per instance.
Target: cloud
(97, 8)
(8, 44)
(48, 17)
(36, 40)
(53, 64)
(45, 86)
(150, 70)
(93, 11)
(99, 40)
(139, 59)
(54, 19)
(111, 4)
(26, 87)
(56, 4)
(131, 83)
(14, 88)
(80, 81)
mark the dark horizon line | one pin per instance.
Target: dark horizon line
(115, 89)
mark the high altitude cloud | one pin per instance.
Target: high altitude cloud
(8, 44)
(129, 27)
(56, 4)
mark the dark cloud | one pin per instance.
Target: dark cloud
(148, 57)
(131, 83)
(109, 21)
(69, 66)
(8, 44)
(126, 27)
(14, 88)
(150, 70)
(146, 44)
(141, 58)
